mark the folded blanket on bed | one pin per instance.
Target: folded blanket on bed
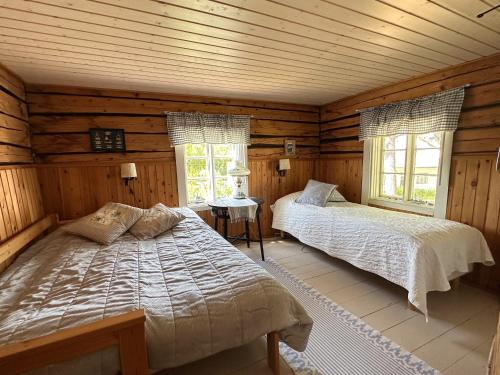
(200, 294)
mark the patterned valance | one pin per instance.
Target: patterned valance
(433, 113)
(195, 127)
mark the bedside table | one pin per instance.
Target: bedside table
(220, 210)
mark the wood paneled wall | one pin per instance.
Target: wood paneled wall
(61, 116)
(474, 190)
(14, 128)
(20, 198)
(76, 182)
(346, 171)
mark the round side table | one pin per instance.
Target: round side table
(220, 211)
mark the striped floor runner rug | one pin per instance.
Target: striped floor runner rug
(340, 343)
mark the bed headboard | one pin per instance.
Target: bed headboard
(13, 246)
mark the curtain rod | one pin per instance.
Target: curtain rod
(367, 108)
(205, 113)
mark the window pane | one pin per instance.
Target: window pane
(197, 168)
(424, 189)
(196, 150)
(221, 166)
(223, 187)
(426, 161)
(394, 161)
(222, 150)
(197, 190)
(397, 142)
(429, 140)
(392, 185)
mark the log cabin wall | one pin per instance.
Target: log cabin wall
(76, 181)
(474, 189)
(20, 198)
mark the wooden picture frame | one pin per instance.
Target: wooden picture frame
(107, 140)
(290, 145)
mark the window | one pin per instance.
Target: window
(202, 172)
(408, 172)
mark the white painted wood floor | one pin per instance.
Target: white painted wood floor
(456, 340)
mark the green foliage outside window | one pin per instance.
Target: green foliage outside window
(424, 195)
(198, 171)
(221, 166)
(197, 190)
(197, 168)
(221, 150)
(196, 150)
(223, 187)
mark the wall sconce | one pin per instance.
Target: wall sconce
(128, 172)
(283, 166)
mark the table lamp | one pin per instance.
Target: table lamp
(239, 172)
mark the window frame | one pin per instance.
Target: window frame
(372, 154)
(180, 161)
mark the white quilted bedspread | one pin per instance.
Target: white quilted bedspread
(418, 253)
(200, 294)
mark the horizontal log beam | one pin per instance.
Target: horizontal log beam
(14, 154)
(479, 71)
(71, 90)
(39, 103)
(12, 83)
(12, 106)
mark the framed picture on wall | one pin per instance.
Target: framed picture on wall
(107, 140)
(289, 147)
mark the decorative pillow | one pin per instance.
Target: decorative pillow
(336, 197)
(106, 224)
(156, 220)
(316, 193)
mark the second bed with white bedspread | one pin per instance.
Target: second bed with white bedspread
(419, 253)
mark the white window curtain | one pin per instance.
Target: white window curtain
(428, 114)
(196, 128)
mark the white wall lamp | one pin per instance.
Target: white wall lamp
(128, 172)
(283, 166)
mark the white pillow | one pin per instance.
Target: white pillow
(106, 224)
(336, 197)
(316, 193)
(156, 220)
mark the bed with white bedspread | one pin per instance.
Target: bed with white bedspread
(199, 293)
(419, 253)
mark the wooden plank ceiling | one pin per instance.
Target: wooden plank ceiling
(311, 52)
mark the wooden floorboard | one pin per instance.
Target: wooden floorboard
(456, 340)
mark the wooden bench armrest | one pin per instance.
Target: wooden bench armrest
(17, 243)
(126, 331)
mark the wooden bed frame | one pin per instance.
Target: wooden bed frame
(125, 331)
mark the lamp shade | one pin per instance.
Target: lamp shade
(284, 164)
(128, 170)
(239, 170)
